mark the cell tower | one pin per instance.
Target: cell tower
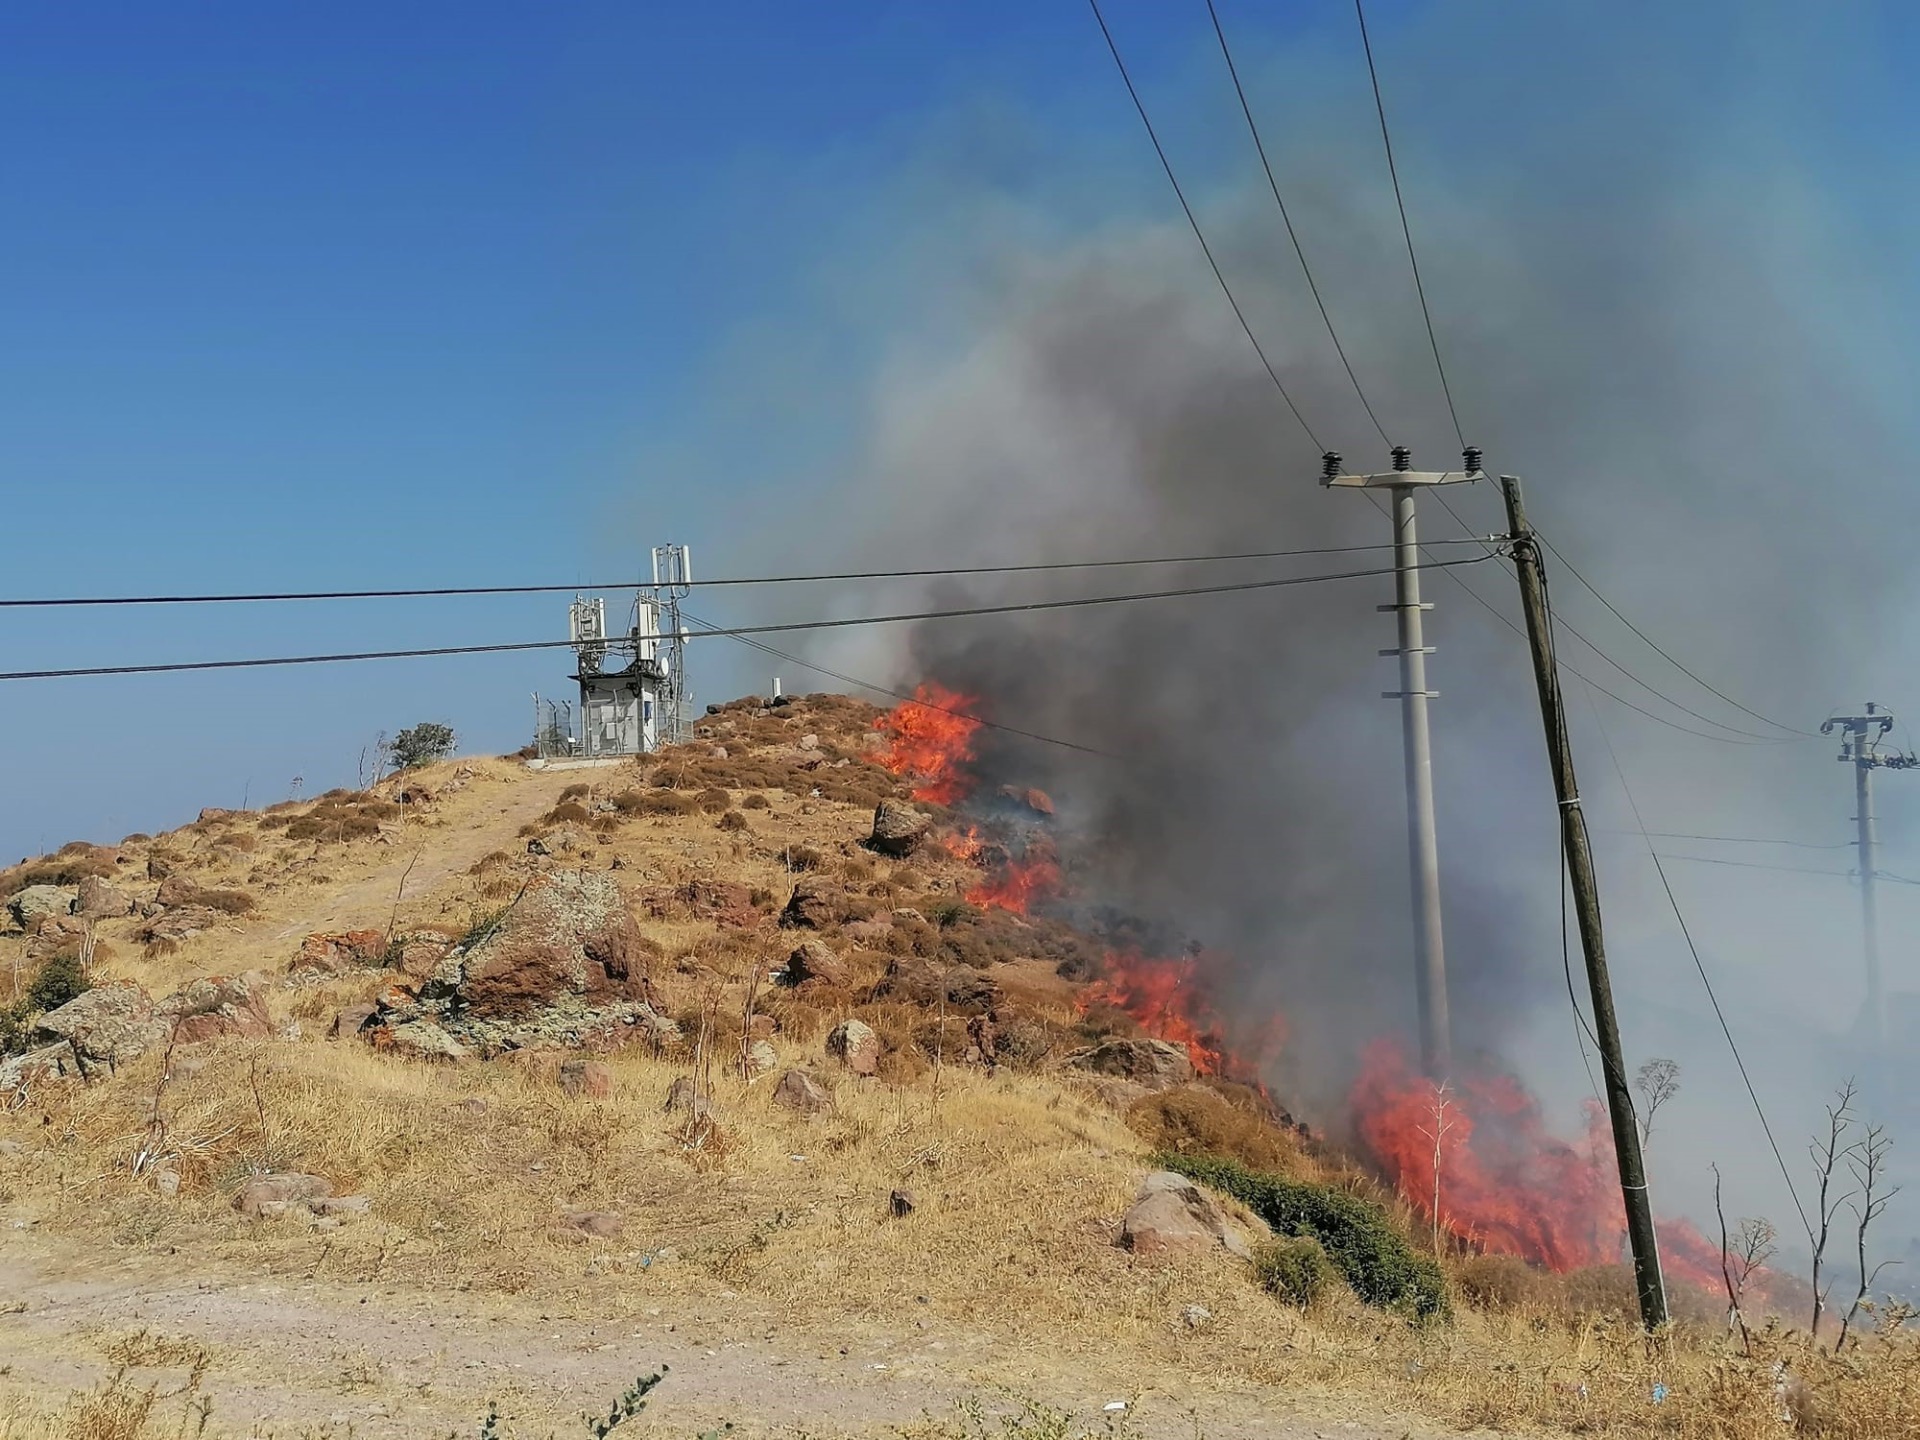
(672, 583)
(633, 687)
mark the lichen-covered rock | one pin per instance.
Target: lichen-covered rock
(97, 900)
(109, 1025)
(36, 902)
(178, 924)
(332, 953)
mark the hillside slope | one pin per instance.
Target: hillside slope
(541, 1028)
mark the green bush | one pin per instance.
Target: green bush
(58, 981)
(1358, 1237)
(420, 744)
(1294, 1269)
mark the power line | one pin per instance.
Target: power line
(1759, 865)
(1198, 234)
(1023, 607)
(1739, 839)
(1666, 655)
(1386, 140)
(1512, 625)
(729, 581)
(1699, 965)
(1233, 73)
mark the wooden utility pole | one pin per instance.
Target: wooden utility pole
(1586, 904)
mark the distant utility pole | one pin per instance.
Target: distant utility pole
(1586, 902)
(1436, 1032)
(1860, 737)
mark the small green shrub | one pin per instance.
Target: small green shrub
(1358, 1236)
(1294, 1269)
(57, 981)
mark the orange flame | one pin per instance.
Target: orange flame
(1168, 997)
(1506, 1184)
(930, 743)
(1019, 884)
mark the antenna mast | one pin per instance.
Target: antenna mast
(672, 583)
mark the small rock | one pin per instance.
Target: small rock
(340, 1205)
(814, 960)
(900, 1204)
(857, 1047)
(265, 1196)
(815, 902)
(586, 1077)
(12, 1147)
(332, 953)
(761, 1059)
(595, 1224)
(684, 1095)
(167, 1182)
(798, 1090)
(349, 1022)
(1196, 1317)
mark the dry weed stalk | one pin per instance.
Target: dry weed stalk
(1868, 1163)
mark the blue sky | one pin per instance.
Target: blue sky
(346, 295)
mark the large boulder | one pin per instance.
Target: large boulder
(217, 1005)
(562, 968)
(856, 1046)
(176, 889)
(98, 900)
(1153, 1064)
(897, 829)
(37, 902)
(110, 1025)
(1172, 1213)
(570, 938)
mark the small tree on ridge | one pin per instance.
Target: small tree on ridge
(420, 744)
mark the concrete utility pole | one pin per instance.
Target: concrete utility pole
(1436, 1031)
(1860, 737)
(1586, 903)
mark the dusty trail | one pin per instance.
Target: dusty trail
(294, 1355)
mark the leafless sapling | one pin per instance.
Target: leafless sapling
(1658, 1081)
(1439, 1111)
(1750, 1248)
(1828, 1156)
(1869, 1165)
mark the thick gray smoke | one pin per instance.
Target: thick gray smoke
(1671, 360)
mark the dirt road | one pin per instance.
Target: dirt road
(294, 1356)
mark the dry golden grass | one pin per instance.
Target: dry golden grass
(1020, 1179)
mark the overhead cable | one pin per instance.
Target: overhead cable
(1021, 607)
(1233, 72)
(1386, 140)
(1193, 221)
(440, 592)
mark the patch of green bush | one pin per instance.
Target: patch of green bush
(57, 981)
(1294, 1269)
(1357, 1236)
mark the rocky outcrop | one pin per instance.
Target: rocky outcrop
(1153, 1064)
(898, 830)
(1172, 1213)
(562, 968)
(215, 1006)
(178, 924)
(585, 1079)
(333, 953)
